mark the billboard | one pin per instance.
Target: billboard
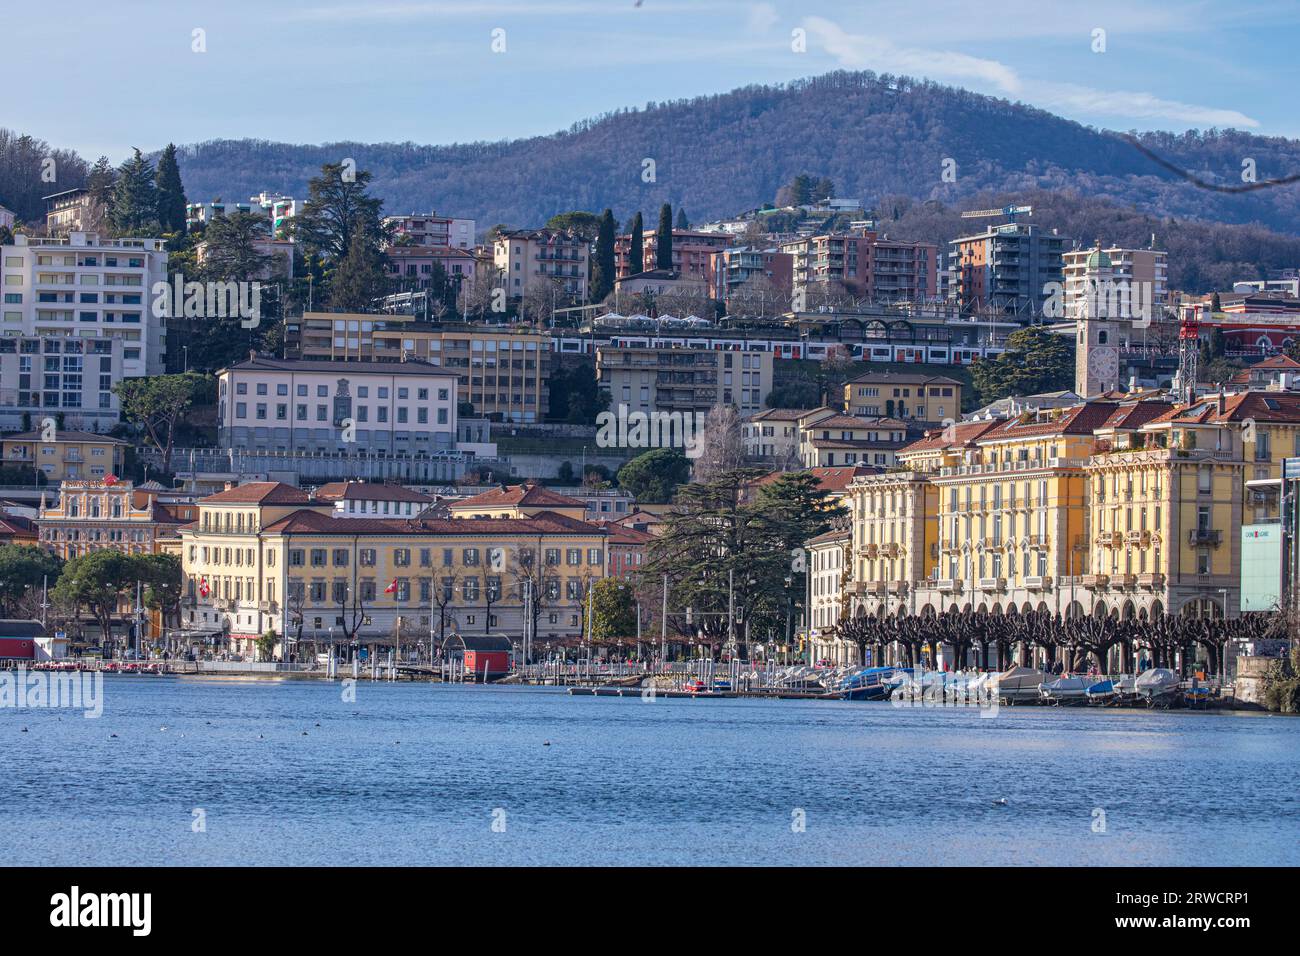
(1261, 566)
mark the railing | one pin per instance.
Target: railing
(1204, 536)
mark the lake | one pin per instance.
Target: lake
(259, 772)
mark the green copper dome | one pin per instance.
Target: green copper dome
(1098, 259)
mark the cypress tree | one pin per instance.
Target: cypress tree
(664, 238)
(636, 257)
(682, 221)
(135, 199)
(171, 192)
(602, 274)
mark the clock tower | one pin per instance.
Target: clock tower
(1098, 319)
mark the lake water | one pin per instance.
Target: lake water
(428, 774)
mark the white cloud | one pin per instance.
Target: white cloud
(1134, 105)
(860, 52)
(762, 17)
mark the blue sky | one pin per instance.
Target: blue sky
(106, 77)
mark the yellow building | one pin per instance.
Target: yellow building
(909, 395)
(265, 556)
(1130, 507)
(1013, 515)
(517, 501)
(72, 455)
(1168, 502)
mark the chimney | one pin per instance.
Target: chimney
(1222, 400)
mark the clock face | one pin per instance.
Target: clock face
(1103, 363)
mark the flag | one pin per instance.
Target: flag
(203, 587)
(392, 587)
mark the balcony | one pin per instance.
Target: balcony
(1151, 581)
(1039, 583)
(871, 550)
(1110, 539)
(1038, 541)
(897, 587)
(890, 550)
(1124, 581)
(1199, 537)
(1094, 581)
(1140, 538)
(993, 584)
(949, 584)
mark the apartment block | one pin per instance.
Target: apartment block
(1139, 275)
(1006, 269)
(68, 211)
(733, 269)
(304, 405)
(432, 230)
(829, 439)
(503, 373)
(647, 379)
(865, 264)
(84, 286)
(412, 266)
(64, 378)
(692, 253)
(530, 257)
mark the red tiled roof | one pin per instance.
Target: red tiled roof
(544, 522)
(961, 433)
(1282, 407)
(259, 493)
(1136, 414)
(529, 495)
(1078, 420)
(618, 534)
(369, 491)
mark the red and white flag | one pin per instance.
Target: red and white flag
(203, 587)
(392, 587)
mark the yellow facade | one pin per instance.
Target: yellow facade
(75, 456)
(285, 564)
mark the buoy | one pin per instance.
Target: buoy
(547, 744)
(1000, 802)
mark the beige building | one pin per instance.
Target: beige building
(503, 373)
(773, 435)
(533, 257)
(828, 439)
(69, 455)
(908, 395)
(108, 514)
(646, 379)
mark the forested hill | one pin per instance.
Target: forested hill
(715, 155)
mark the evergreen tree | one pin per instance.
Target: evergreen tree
(682, 221)
(359, 278)
(134, 209)
(337, 207)
(636, 257)
(231, 252)
(171, 192)
(100, 184)
(602, 273)
(664, 238)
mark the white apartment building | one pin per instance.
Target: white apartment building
(82, 286)
(60, 377)
(433, 230)
(280, 208)
(7, 218)
(1139, 276)
(303, 405)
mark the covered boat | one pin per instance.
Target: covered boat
(1018, 683)
(1156, 684)
(1064, 689)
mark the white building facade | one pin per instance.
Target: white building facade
(83, 286)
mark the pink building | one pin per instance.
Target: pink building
(413, 265)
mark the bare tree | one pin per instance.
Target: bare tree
(720, 444)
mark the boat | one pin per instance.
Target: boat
(1159, 685)
(1018, 684)
(1064, 689)
(1101, 692)
(868, 683)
